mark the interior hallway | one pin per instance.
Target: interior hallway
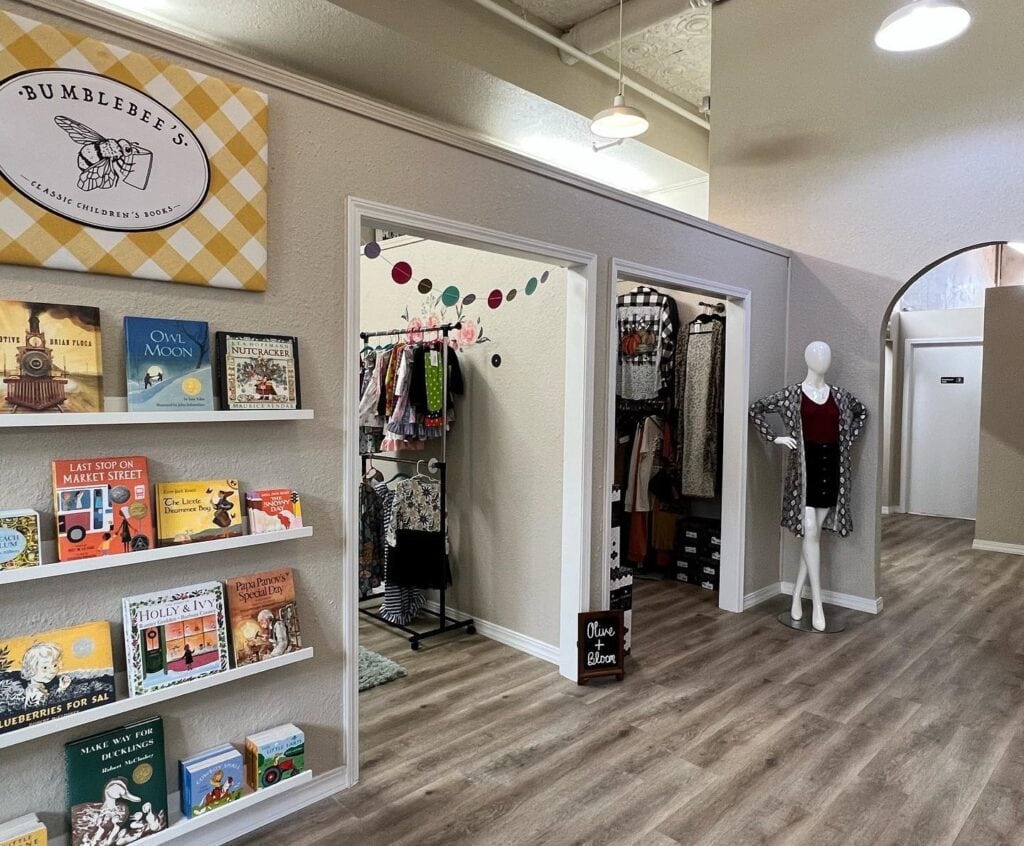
(729, 729)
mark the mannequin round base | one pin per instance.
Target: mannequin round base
(832, 624)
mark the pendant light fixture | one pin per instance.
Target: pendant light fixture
(923, 24)
(620, 121)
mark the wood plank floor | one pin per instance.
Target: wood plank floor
(729, 729)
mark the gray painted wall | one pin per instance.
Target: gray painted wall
(881, 162)
(1001, 450)
(318, 156)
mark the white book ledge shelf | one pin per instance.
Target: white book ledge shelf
(136, 703)
(181, 828)
(185, 550)
(123, 418)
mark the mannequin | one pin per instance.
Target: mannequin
(823, 421)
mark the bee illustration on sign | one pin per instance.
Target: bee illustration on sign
(104, 161)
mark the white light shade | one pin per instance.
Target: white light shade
(620, 121)
(922, 24)
(1016, 246)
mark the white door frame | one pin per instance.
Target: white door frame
(734, 436)
(909, 346)
(578, 452)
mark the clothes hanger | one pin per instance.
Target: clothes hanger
(372, 472)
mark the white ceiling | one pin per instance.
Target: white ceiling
(326, 42)
(675, 54)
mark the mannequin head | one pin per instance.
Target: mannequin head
(818, 356)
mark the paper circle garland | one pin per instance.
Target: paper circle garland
(425, 286)
(495, 298)
(371, 250)
(531, 286)
(544, 276)
(511, 295)
(401, 272)
(450, 296)
(469, 299)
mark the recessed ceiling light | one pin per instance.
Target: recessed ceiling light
(923, 24)
(1017, 246)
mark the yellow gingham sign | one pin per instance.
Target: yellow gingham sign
(222, 243)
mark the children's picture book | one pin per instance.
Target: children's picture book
(51, 674)
(23, 831)
(273, 510)
(103, 506)
(264, 619)
(19, 539)
(52, 357)
(173, 636)
(117, 788)
(210, 780)
(274, 755)
(168, 364)
(257, 372)
(188, 512)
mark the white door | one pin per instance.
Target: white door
(945, 420)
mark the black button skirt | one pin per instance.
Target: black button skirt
(822, 461)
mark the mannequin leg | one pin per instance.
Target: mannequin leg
(813, 520)
(796, 611)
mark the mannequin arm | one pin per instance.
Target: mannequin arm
(763, 407)
(786, 441)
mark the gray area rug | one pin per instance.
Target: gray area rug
(375, 669)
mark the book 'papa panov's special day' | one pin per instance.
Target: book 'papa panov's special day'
(264, 618)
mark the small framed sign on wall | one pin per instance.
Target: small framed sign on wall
(600, 646)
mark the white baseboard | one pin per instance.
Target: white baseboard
(524, 643)
(762, 595)
(843, 600)
(235, 826)
(998, 546)
(893, 509)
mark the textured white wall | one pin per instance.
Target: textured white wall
(505, 450)
(318, 156)
(884, 163)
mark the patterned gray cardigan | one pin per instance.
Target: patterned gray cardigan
(852, 414)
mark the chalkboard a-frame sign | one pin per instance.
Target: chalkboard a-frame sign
(600, 646)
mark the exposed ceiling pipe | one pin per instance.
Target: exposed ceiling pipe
(555, 41)
(601, 31)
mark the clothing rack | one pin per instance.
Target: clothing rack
(717, 308)
(445, 622)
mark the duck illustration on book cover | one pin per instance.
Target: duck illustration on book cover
(117, 787)
(168, 364)
(51, 674)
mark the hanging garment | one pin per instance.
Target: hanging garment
(371, 539)
(401, 604)
(646, 450)
(368, 435)
(700, 372)
(647, 323)
(418, 555)
(787, 404)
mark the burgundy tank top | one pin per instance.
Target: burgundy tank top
(820, 422)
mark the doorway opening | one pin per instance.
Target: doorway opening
(485, 465)
(948, 456)
(678, 393)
